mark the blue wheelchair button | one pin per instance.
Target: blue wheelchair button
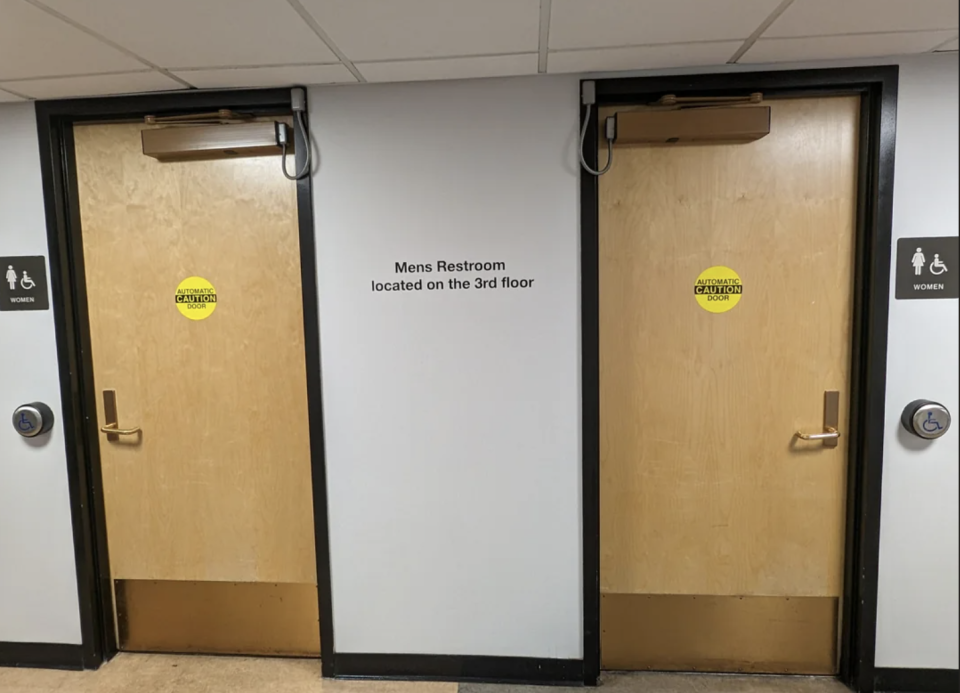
(34, 419)
(926, 419)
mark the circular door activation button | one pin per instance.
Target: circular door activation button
(31, 420)
(925, 419)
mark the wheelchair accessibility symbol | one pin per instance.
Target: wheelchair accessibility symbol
(931, 425)
(31, 420)
(926, 419)
(937, 266)
(25, 424)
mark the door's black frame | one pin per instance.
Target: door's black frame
(877, 87)
(55, 120)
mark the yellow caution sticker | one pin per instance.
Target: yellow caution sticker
(196, 298)
(718, 289)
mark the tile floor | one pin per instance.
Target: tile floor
(135, 673)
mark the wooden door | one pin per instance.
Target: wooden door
(209, 508)
(722, 534)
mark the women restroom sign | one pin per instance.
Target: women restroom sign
(23, 283)
(928, 267)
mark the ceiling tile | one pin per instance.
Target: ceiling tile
(642, 57)
(94, 85)
(6, 97)
(952, 46)
(831, 17)
(835, 47)
(36, 44)
(611, 23)
(450, 68)
(374, 30)
(207, 33)
(290, 75)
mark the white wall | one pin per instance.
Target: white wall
(38, 589)
(918, 622)
(452, 417)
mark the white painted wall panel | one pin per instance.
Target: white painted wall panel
(38, 588)
(918, 624)
(452, 417)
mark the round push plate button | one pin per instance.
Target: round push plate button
(926, 419)
(30, 420)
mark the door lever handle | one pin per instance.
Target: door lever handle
(831, 420)
(111, 424)
(112, 428)
(828, 434)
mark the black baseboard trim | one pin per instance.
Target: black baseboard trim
(41, 655)
(917, 680)
(476, 668)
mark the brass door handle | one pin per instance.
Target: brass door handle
(828, 433)
(112, 428)
(112, 425)
(831, 420)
